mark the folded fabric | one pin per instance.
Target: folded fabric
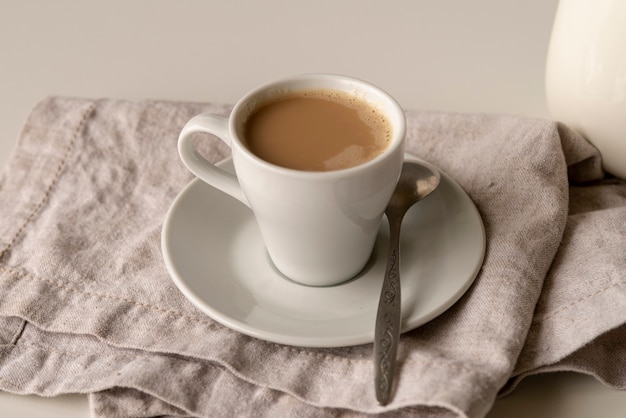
(87, 305)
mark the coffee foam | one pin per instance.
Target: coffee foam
(367, 112)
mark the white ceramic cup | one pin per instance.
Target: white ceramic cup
(319, 228)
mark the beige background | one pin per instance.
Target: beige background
(445, 55)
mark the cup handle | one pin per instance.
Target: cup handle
(198, 165)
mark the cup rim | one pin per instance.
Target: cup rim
(392, 110)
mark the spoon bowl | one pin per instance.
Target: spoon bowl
(417, 180)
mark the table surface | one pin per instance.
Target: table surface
(448, 55)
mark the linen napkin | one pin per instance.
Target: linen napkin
(87, 306)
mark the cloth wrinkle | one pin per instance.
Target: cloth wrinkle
(53, 182)
(553, 314)
(104, 296)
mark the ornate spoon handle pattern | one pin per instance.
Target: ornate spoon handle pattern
(387, 331)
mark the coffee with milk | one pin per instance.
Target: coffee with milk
(317, 130)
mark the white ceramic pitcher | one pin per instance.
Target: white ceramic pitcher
(586, 75)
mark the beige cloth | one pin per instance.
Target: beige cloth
(87, 306)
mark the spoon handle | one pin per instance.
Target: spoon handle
(388, 318)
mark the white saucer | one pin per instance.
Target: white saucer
(214, 253)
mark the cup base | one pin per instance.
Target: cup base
(371, 262)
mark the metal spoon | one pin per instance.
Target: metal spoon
(417, 180)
